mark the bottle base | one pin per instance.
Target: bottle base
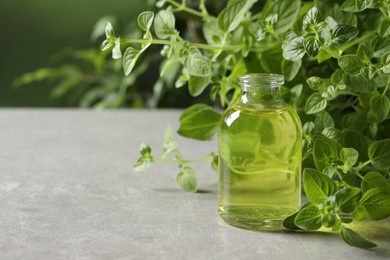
(256, 218)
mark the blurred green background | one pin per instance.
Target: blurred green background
(33, 31)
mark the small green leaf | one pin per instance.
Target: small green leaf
(358, 141)
(347, 199)
(385, 61)
(197, 64)
(145, 150)
(342, 33)
(312, 45)
(169, 144)
(287, 12)
(214, 161)
(109, 31)
(358, 83)
(197, 84)
(379, 154)
(290, 69)
(380, 106)
(199, 122)
(145, 20)
(315, 104)
(315, 83)
(385, 27)
(311, 20)
(317, 186)
(359, 213)
(332, 133)
(351, 64)
(233, 14)
(349, 157)
(164, 24)
(323, 120)
(106, 45)
(294, 49)
(377, 203)
(289, 221)
(309, 218)
(328, 220)
(129, 59)
(354, 239)
(142, 164)
(116, 51)
(355, 5)
(187, 180)
(374, 180)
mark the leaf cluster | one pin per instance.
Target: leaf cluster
(336, 61)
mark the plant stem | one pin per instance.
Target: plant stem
(197, 45)
(181, 160)
(182, 7)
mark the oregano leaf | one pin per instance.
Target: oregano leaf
(164, 24)
(186, 179)
(354, 239)
(129, 59)
(145, 20)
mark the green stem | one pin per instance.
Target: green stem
(197, 45)
(182, 7)
(181, 161)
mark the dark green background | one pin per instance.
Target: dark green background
(33, 30)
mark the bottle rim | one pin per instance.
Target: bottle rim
(261, 79)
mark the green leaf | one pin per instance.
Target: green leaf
(351, 64)
(294, 49)
(315, 83)
(311, 20)
(142, 164)
(358, 141)
(187, 180)
(359, 84)
(354, 239)
(199, 122)
(287, 12)
(342, 33)
(106, 45)
(325, 152)
(349, 157)
(169, 144)
(385, 61)
(312, 45)
(332, 133)
(359, 213)
(309, 218)
(129, 59)
(109, 31)
(289, 221)
(145, 20)
(164, 24)
(347, 199)
(317, 186)
(385, 27)
(374, 180)
(233, 14)
(379, 154)
(377, 203)
(197, 64)
(380, 46)
(355, 5)
(315, 104)
(197, 84)
(290, 69)
(323, 120)
(145, 150)
(214, 161)
(116, 51)
(380, 106)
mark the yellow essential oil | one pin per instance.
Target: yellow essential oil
(260, 157)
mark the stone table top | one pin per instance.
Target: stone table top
(68, 191)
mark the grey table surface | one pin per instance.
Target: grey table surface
(68, 191)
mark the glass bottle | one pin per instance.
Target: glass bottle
(260, 150)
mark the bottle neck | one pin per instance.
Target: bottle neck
(261, 97)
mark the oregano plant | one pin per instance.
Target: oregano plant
(335, 56)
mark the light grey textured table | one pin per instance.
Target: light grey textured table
(67, 191)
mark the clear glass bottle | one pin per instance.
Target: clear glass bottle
(260, 150)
